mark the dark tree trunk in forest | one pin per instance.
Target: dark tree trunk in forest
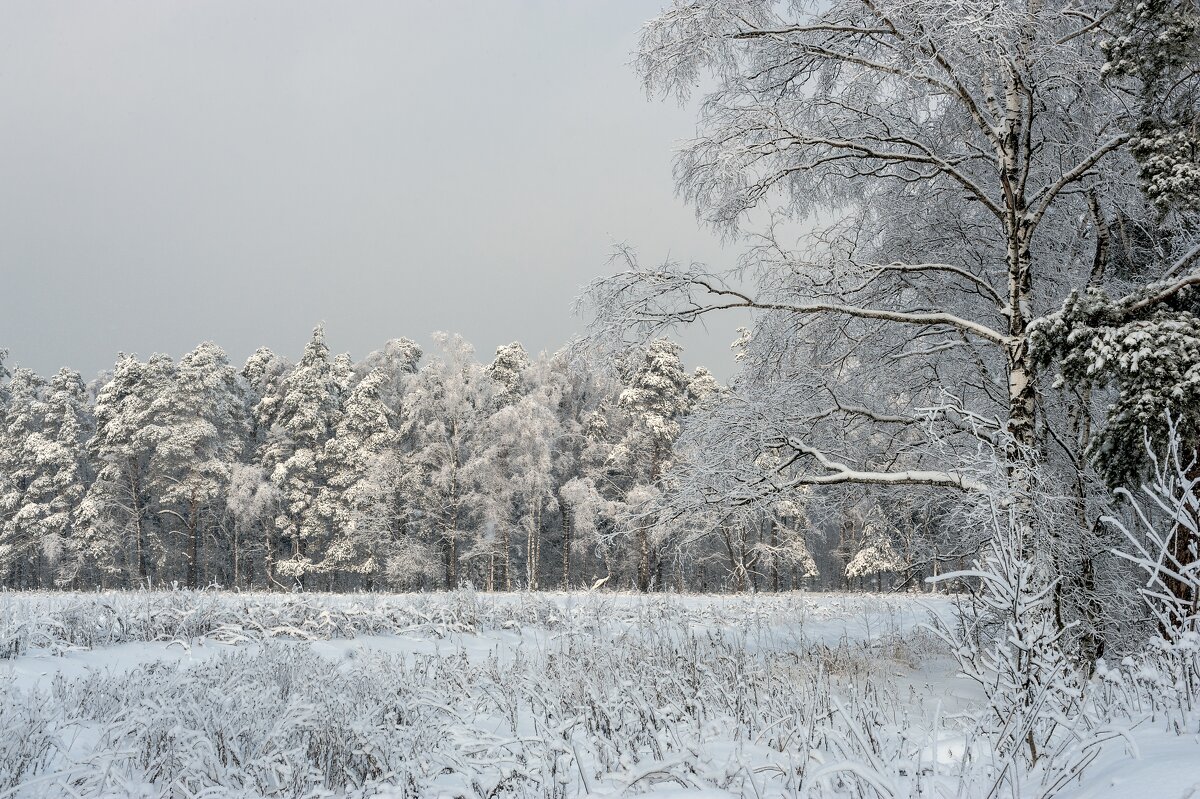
(505, 563)
(136, 510)
(193, 570)
(775, 556)
(566, 548)
(643, 572)
(450, 552)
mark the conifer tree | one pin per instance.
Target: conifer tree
(355, 496)
(255, 505)
(118, 530)
(306, 417)
(19, 529)
(200, 426)
(60, 458)
(654, 401)
(398, 360)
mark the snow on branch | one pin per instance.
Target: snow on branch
(839, 472)
(647, 302)
(1166, 539)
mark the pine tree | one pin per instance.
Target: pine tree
(514, 478)
(117, 510)
(398, 360)
(4, 377)
(200, 429)
(306, 417)
(1157, 43)
(191, 473)
(702, 387)
(45, 459)
(654, 401)
(7, 489)
(20, 542)
(509, 371)
(255, 505)
(358, 483)
(875, 555)
(63, 473)
(344, 377)
(404, 557)
(263, 376)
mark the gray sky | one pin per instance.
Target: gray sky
(172, 172)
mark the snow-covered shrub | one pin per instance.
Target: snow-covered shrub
(277, 722)
(1164, 546)
(27, 741)
(1034, 725)
(1166, 543)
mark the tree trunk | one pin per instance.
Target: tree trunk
(136, 505)
(566, 548)
(532, 545)
(250, 572)
(643, 573)
(234, 544)
(1022, 395)
(450, 551)
(505, 561)
(775, 556)
(300, 545)
(193, 572)
(268, 557)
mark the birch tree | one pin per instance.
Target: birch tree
(521, 458)
(447, 404)
(957, 170)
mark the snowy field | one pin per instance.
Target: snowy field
(493, 695)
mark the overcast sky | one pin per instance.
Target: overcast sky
(172, 172)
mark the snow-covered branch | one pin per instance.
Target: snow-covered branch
(840, 473)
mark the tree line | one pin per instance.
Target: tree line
(395, 472)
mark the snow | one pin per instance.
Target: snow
(517, 694)
(1168, 767)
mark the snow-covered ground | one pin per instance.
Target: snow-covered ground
(465, 694)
